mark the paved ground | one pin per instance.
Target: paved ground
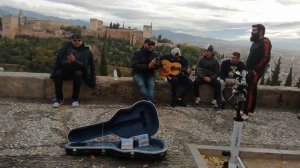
(32, 133)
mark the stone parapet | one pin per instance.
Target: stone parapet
(39, 86)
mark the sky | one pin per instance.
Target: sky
(222, 19)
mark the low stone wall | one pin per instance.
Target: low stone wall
(40, 86)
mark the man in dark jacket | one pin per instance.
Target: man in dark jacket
(144, 62)
(228, 69)
(182, 78)
(74, 62)
(258, 58)
(207, 71)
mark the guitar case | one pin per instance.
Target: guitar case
(139, 119)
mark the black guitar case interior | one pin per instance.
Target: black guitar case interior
(139, 119)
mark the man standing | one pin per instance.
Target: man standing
(228, 69)
(182, 78)
(258, 58)
(74, 62)
(207, 71)
(144, 62)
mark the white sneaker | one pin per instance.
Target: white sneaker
(245, 117)
(214, 103)
(75, 103)
(197, 101)
(57, 103)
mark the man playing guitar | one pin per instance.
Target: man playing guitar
(176, 69)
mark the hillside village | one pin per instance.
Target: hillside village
(12, 26)
(21, 25)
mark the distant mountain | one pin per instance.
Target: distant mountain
(4, 10)
(200, 41)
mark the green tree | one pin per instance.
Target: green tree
(262, 80)
(298, 83)
(289, 79)
(103, 63)
(275, 74)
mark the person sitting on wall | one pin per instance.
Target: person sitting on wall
(181, 78)
(228, 69)
(207, 71)
(74, 62)
(144, 63)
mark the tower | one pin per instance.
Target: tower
(147, 31)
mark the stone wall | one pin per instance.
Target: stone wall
(40, 86)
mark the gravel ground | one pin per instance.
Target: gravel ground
(33, 134)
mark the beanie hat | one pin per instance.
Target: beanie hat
(175, 51)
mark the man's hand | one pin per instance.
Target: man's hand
(152, 63)
(229, 82)
(71, 58)
(207, 79)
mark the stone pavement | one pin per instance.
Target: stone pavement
(32, 133)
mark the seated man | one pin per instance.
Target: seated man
(182, 78)
(74, 62)
(143, 67)
(207, 71)
(228, 69)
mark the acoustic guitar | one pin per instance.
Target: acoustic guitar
(169, 68)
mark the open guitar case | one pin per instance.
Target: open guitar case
(139, 119)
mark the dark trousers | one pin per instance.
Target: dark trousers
(185, 83)
(252, 81)
(61, 75)
(214, 83)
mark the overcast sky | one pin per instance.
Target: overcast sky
(223, 19)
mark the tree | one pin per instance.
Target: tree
(289, 79)
(262, 80)
(103, 63)
(298, 83)
(268, 81)
(275, 74)
(110, 25)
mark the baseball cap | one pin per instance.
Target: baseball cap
(76, 36)
(149, 41)
(209, 47)
(175, 51)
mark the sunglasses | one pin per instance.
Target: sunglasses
(76, 40)
(151, 44)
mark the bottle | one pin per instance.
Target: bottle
(115, 75)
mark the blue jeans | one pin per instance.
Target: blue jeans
(146, 85)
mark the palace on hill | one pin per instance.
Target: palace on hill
(12, 26)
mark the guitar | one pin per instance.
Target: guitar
(169, 68)
(175, 68)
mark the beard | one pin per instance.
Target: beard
(254, 37)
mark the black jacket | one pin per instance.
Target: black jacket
(228, 69)
(85, 62)
(140, 62)
(208, 67)
(259, 56)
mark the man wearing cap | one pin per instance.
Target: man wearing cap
(207, 71)
(182, 78)
(74, 62)
(144, 63)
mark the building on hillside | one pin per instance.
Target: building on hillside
(13, 26)
(98, 29)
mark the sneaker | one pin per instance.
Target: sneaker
(180, 103)
(214, 104)
(173, 103)
(252, 114)
(245, 117)
(197, 101)
(75, 103)
(57, 103)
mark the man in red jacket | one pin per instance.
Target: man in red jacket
(258, 58)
